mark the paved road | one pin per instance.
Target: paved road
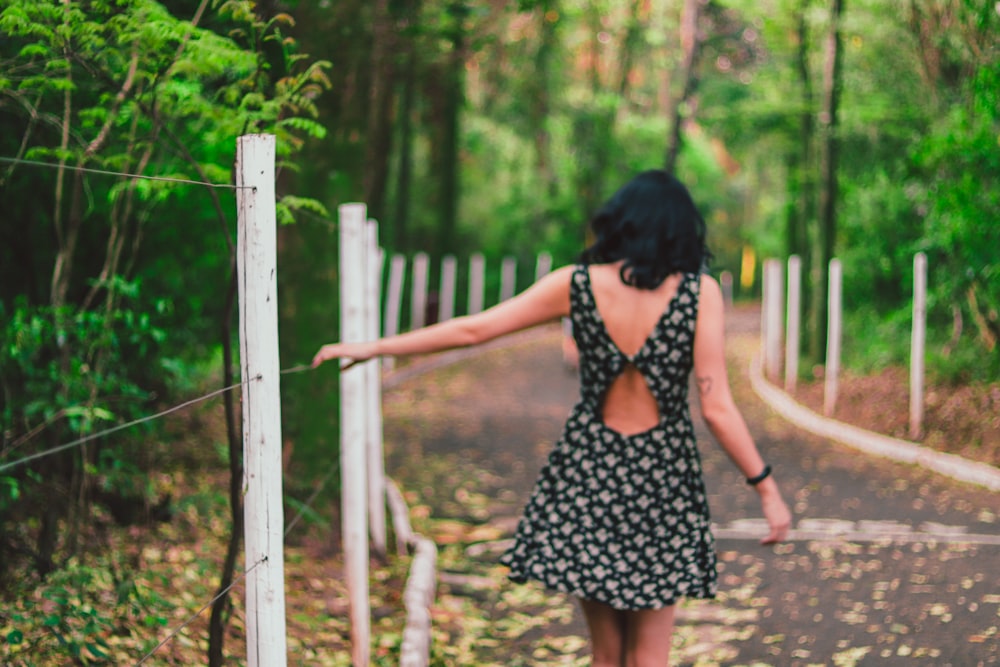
(889, 564)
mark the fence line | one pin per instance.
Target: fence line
(258, 209)
(258, 316)
(773, 310)
(105, 172)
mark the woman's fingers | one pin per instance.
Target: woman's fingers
(325, 353)
(355, 352)
(777, 534)
(779, 518)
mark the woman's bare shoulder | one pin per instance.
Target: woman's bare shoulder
(709, 286)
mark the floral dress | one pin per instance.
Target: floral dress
(623, 519)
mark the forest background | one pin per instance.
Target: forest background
(863, 129)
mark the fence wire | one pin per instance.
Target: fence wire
(104, 172)
(120, 427)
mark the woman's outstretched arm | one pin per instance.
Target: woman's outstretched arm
(546, 300)
(720, 412)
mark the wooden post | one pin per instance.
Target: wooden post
(773, 314)
(832, 370)
(373, 403)
(543, 265)
(393, 301)
(508, 278)
(353, 463)
(477, 282)
(793, 322)
(726, 283)
(449, 271)
(763, 323)
(917, 344)
(418, 298)
(262, 501)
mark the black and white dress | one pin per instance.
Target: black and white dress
(623, 519)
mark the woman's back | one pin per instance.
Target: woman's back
(630, 315)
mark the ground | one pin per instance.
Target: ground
(469, 493)
(963, 420)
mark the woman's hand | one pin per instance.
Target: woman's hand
(778, 516)
(355, 352)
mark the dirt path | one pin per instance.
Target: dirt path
(892, 566)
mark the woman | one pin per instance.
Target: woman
(619, 517)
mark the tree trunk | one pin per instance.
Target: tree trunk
(804, 205)
(630, 43)
(404, 176)
(830, 144)
(541, 99)
(397, 230)
(691, 45)
(222, 605)
(454, 97)
(378, 144)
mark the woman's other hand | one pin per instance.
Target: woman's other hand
(778, 516)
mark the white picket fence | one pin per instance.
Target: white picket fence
(775, 313)
(364, 488)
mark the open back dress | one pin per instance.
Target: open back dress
(614, 518)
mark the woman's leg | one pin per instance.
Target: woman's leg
(607, 633)
(648, 635)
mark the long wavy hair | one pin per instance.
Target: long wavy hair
(654, 226)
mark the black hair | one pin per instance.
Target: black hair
(653, 224)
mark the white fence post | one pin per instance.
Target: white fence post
(262, 501)
(763, 323)
(917, 344)
(543, 265)
(394, 301)
(508, 278)
(418, 299)
(792, 322)
(446, 304)
(726, 283)
(477, 282)
(353, 463)
(832, 370)
(773, 316)
(373, 385)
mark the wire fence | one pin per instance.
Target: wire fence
(120, 427)
(304, 508)
(104, 172)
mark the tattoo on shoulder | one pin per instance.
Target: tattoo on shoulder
(705, 384)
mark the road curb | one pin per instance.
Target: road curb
(895, 449)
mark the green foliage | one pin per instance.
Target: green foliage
(82, 614)
(961, 201)
(881, 231)
(124, 87)
(55, 363)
